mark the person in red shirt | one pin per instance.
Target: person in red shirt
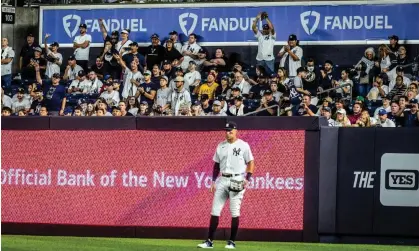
(357, 110)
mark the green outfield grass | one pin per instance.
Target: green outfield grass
(47, 243)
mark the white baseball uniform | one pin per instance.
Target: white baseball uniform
(233, 159)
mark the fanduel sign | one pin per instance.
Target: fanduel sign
(232, 24)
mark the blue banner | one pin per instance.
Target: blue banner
(232, 25)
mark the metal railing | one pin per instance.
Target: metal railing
(338, 87)
(264, 109)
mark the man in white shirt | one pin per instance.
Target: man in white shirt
(163, 94)
(386, 106)
(72, 69)
(383, 121)
(21, 102)
(132, 78)
(96, 83)
(291, 55)
(81, 44)
(176, 44)
(240, 83)
(193, 77)
(6, 101)
(189, 51)
(180, 98)
(266, 42)
(80, 85)
(110, 95)
(7, 55)
(234, 160)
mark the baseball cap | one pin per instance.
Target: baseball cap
(192, 62)
(326, 108)
(267, 92)
(38, 49)
(68, 110)
(173, 33)
(394, 37)
(230, 126)
(292, 37)
(133, 44)
(20, 90)
(56, 75)
(360, 98)
(81, 73)
(399, 68)
(144, 103)
(202, 51)
(155, 36)
(342, 111)
(196, 103)
(413, 101)
(386, 97)
(225, 78)
(217, 102)
(30, 34)
(239, 98)
(106, 77)
(382, 112)
(179, 69)
(54, 44)
(179, 79)
(147, 72)
(83, 101)
(265, 27)
(115, 33)
(164, 77)
(235, 89)
(221, 98)
(125, 31)
(327, 99)
(83, 26)
(167, 61)
(204, 97)
(71, 57)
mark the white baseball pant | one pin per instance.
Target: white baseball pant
(221, 195)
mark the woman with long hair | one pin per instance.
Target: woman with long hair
(132, 105)
(219, 60)
(364, 120)
(224, 89)
(341, 119)
(90, 110)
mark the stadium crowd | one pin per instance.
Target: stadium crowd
(182, 79)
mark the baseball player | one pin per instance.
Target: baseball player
(234, 159)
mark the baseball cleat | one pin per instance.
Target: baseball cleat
(206, 244)
(230, 245)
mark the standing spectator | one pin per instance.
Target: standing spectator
(27, 51)
(134, 55)
(110, 62)
(291, 56)
(275, 92)
(28, 72)
(7, 56)
(54, 58)
(282, 77)
(380, 88)
(266, 41)
(201, 58)
(399, 72)
(404, 61)
(172, 54)
(311, 81)
(357, 110)
(174, 40)
(387, 60)
(147, 90)
(241, 83)
(298, 81)
(155, 75)
(411, 117)
(114, 35)
(266, 102)
(305, 108)
(155, 52)
(162, 97)
(327, 75)
(366, 71)
(132, 77)
(180, 99)
(394, 44)
(386, 106)
(205, 104)
(98, 67)
(110, 96)
(81, 44)
(208, 87)
(54, 93)
(193, 77)
(168, 70)
(343, 92)
(399, 89)
(21, 103)
(189, 51)
(382, 120)
(124, 46)
(72, 69)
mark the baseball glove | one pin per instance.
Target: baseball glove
(236, 185)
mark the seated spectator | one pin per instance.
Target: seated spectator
(38, 102)
(78, 111)
(216, 109)
(43, 111)
(196, 109)
(399, 89)
(399, 72)
(80, 85)
(72, 69)
(223, 101)
(21, 103)
(256, 91)
(102, 104)
(411, 116)
(172, 84)
(192, 77)
(205, 103)
(180, 99)
(54, 58)
(241, 83)
(403, 103)
(219, 61)
(6, 111)
(394, 44)
(344, 92)
(172, 54)
(147, 90)
(98, 68)
(327, 75)
(162, 101)
(326, 112)
(168, 70)
(116, 111)
(394, 116)
(385, 106)
(22, 113)
(123, 109)
(132, 105)
(90, 110)
(208, 87)
(110, 96)
(382, 120)
(379, 89)
(327, 102)
(364, 120)
(275, 92)
(5, 100)
(357, 110)
(99, 112)
(305, 108)
(282, 77)
(238, 109)
(341, 119)
(268, 101)
(155, 75)
(95, 83)
(144, 109)
(224, 89)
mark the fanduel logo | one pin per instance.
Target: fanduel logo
(67, 24)
(305, 19)
(183, 22)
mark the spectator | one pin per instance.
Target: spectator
(124, 46)
(208, 87)
(291, 56)
(414, 88)
(305, 108)
(394, 44)
(78, 111)
(256, 92)
(241, 83)
(90, 111)
(5, 100)
(219, 61)
(72, 69)
(95, 83)
(268, 101)
(224, 89)
(110, 62)
(28, 72)
(98, 67)
(162, 101)
(404, 61)
(327, 75)
(325, 111)
(216, 109)
(102, 104)
(386, 106)
(282, 76)
(357, 109)
(147, 90)
(382, 120)
(132, 77)
(410, 94)
(38, 102)
(27, 51)
(81, 45)
(399, 89)
(411, 116)
(223, 101)
(343, 92)
(155, 52)
(311, 81)
(364, 120)
(155, 75)
(399, 72)
(114, 35)
(54, 93)
(189, 51)
(6, 111)
(388, 60)
(266, 41)
(205, 104)
(193, 77)
(393, 115)
(341, 119)
(80, 85)
(180, 99)
(178, 73)
(298, 81)
(21, 103)
(403, 101)
(278, 95)
(168, 70)
(110, 96)
(238, 109)
(134, 55)
(379, 89)
(196, 109)
(365, 67)
(54, 58)
(22, 113)
(43, 112)
(100, 113)
(144, 109)
(174, 40)
(123, 108)
(7, 56)
(172, 54)
(132, 105)
(116, 111)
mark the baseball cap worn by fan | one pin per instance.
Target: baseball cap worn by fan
(292, 37)
(173, 33)
(326, 108)
(56, 75)
(217, 103)
(230, 126)
(38, 49)
(165, 78)
(341, 111)
(154, 36)
(382, 112)
(81, 73)
(71, 57)
(267, 92)
(83, 26)
(394, 37)
(147, 72)
(179, 79)
(21, 90)
(265, 27)
(413, 101)
(167, 61)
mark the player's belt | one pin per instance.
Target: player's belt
(229, 175)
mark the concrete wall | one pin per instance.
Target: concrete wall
(27, 20)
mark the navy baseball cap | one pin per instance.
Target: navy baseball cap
(204, 97)
(83, 26)
(167, 61)
(81, 73)
(221, 98)
(197, 103)
(265, 27)
(173, 33)
(54, 44)
(155, 36)
(382, 112)
(21, 90)
(413, 101)
(230, 126)
(71, 57)
(326, 108)
(292, 37)
(267, 92)
(394, 37)
(56, 75)
(239, 98)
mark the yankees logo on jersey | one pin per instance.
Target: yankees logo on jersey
(236, 152)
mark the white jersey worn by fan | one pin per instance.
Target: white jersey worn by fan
(82, 53)
(233, 159)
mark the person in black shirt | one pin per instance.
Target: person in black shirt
(27, 51)
(172, 54)
(393, 114)
(98, 68)
(155, 52)
(394, 44)
(257, 91)
(168, 70)
(134, 55)
(114, 35)
(411, 117)
(38, 102)
(28, 72)
(110, 63)
(267, 101)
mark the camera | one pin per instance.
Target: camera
(264, 15)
